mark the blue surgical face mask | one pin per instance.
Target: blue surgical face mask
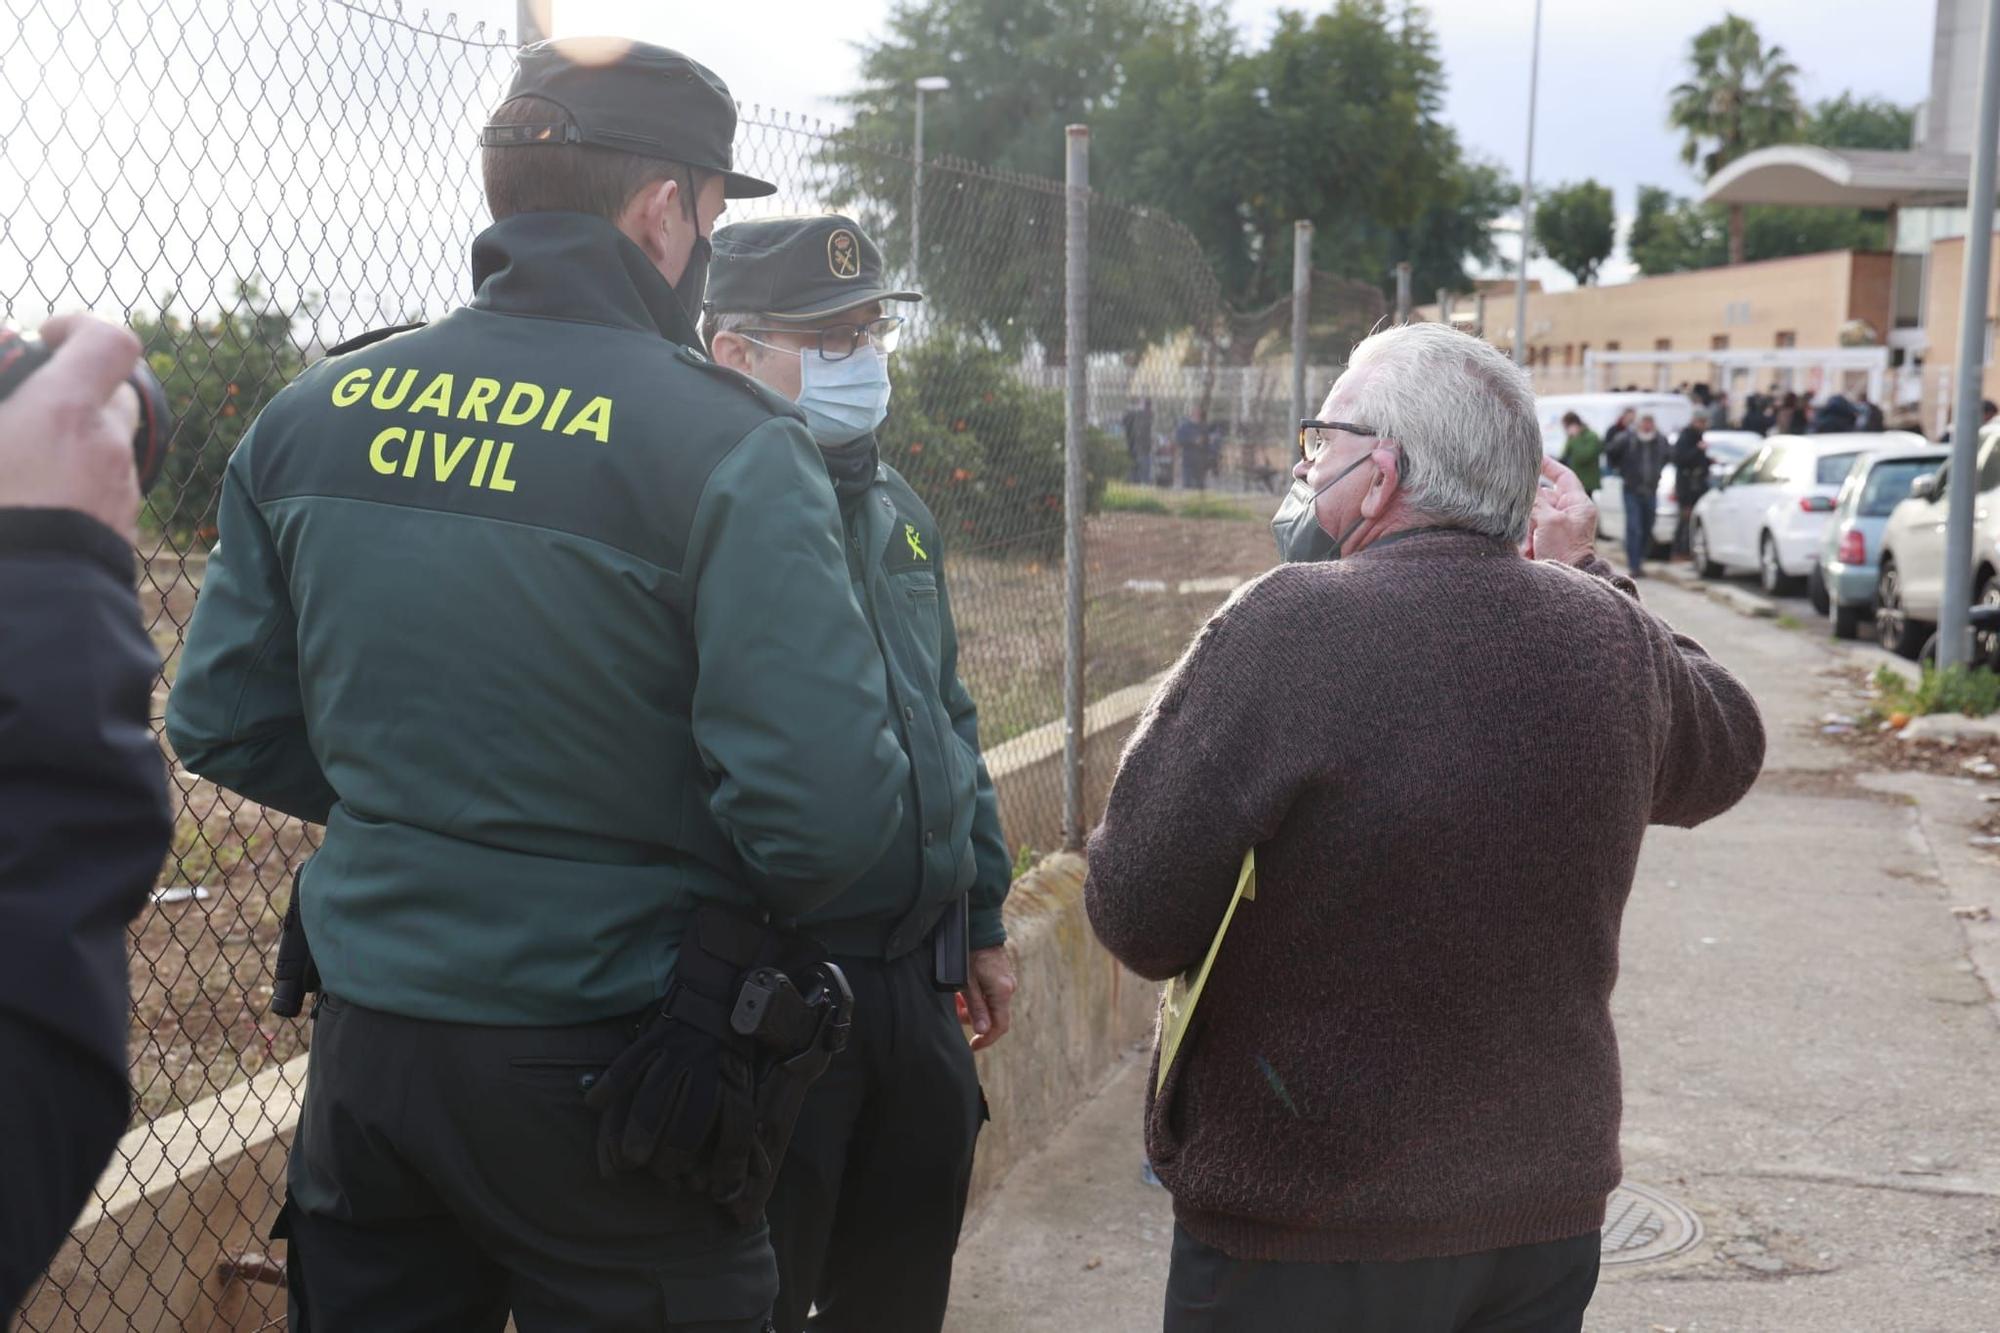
(845, 399)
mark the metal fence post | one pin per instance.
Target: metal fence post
(1403, 292)
(1302, 288)
(1076, 410)
(1954, 630)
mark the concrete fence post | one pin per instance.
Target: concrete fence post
(1302, 284)
(1076, 411)
(1403, 292)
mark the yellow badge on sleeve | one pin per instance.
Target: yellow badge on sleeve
(1183, 992)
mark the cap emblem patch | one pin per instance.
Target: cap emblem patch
(843, 254)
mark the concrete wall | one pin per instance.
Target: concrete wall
(1943, 300)
(191, 1197)
(1749, 305)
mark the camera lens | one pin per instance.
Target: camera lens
(21, 355)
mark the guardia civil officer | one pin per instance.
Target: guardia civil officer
(545, 617)
(866, 1213)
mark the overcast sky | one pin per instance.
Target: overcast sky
(1605, 70)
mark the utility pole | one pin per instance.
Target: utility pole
(1403, 292)
(1527, 201)
(930, 83)
(1954, 629)
(1076, 403)
(1302, 283)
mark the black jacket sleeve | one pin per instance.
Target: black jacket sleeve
(83, 790)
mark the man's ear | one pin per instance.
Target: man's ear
(649, 215)
(1387, 484)
(731, 351)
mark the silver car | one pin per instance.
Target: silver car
(1909, 586)
(1842, 584)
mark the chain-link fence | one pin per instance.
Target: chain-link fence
(249, 183)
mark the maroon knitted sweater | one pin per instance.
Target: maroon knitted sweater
(1445, 756)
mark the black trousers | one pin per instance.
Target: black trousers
(868, 1204)
(1526, 1289)
(444, 1175)
(61, 1112)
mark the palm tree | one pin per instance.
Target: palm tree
(1740, 97)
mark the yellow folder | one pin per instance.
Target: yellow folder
(1183, 992)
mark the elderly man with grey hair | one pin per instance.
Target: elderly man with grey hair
(1396, 1104)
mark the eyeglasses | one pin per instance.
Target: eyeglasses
(837, 342)
(1313, 435)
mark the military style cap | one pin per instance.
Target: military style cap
(632, 96)
(796, 268)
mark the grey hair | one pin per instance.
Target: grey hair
(1465, 416)
(731, 321)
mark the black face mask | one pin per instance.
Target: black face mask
(1301, 539)
(694, 278)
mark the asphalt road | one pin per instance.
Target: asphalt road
(1811, 1054)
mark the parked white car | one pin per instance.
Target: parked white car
(1909, 585)
(1773, 509)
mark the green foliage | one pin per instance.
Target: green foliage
(1574, 225)
(1121, 497)
(218, 373)
(983, 448)
(1973, 691)
(1740, 95)
(1338, 118)
(1848, 121)
(1672, 235)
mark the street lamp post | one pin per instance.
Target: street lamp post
(1527, 201)
(930, 83)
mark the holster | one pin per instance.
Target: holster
(708, 1093)
(296, 975)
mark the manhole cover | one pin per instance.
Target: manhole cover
(1642, 1224)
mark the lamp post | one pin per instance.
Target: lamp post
(930, 83)
(1527, 201)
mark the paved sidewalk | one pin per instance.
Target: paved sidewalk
(1812, 1065)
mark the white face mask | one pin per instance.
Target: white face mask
(843, 400)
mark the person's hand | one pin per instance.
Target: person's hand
(987, 1002)
(1563, 525)
(66, 432)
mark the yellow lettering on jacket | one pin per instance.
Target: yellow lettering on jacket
(524, 404)
(352, 387)
(443, 464)
(595, 418)
(501, 481)
(479, 467)
(402, 392)
(436, 396)
(479, 395)
(555, 409)
(416, 454)
(379, 460)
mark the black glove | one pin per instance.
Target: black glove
(667, 1105)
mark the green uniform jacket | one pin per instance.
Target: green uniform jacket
(544, 616)
(950, 840)
(1583, 454)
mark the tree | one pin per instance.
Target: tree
(218, 373)
(1848, 121)
(1673, 235)
(1574, 226)
(1337, 119)
(1740, 96)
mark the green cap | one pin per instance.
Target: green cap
(632, 96)
(796, 268)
